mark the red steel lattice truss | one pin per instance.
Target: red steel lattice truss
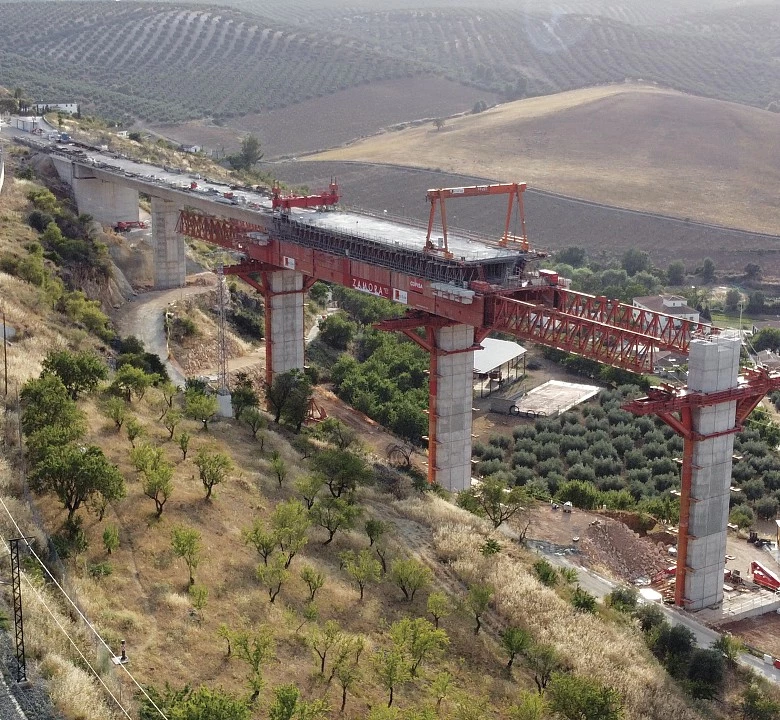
(675, 407)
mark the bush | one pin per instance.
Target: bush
(623, 599)
(545, 573)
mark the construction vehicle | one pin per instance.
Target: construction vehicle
(756, 540)
(127, 225)
(764, 577)
(286, 202)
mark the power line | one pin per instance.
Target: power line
(70, 639)
(81, 615)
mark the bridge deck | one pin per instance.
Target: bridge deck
(463, 246)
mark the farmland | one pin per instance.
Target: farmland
(554, 222)
(167, 63)
(320, 123)
(625, 145)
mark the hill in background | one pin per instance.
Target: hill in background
(164, 63)
(628, 146)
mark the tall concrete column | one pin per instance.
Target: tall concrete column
(713, 365)
(170, 261)
(451, 383)
(283, 322)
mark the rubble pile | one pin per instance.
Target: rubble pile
(611, 544)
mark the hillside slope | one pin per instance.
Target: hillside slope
(171, 62)
(625, 145)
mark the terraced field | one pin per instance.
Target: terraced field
(168, 63)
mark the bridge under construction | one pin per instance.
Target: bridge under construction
(457, 288)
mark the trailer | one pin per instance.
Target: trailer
(127, 225)
(764, 577)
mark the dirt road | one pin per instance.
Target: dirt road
(143, 318)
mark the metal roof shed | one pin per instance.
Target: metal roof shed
(496, 364)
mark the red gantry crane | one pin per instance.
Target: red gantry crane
(286, 202)
(438, 197)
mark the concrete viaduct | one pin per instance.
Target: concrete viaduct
(454, 299)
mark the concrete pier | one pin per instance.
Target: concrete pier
(107, 202)
(713, 366)
(284, 322)
(452, 368)
(170, 262)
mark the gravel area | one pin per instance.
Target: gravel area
(21, 702)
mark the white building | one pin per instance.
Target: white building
(669, 305)
(44, 107)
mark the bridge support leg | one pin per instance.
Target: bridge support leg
(283, 291)
(713, 366)
(107, 202)
(449, 424)
(170, 262)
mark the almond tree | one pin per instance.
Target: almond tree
(334, 514)
(315, 580)
(439, 606)
(256, 651)
(186, 545)
(478, 601)
(410, 576)
(392, 669)
(323, 640)
(515, 640)
(158, 485)
(259, 537)
(362, 567)
(419, 639)
(213, 468)
(290, 523)
(272, 574)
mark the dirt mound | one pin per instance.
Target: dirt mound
(611, 544)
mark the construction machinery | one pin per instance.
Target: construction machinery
(127, 225)
(438, 196)
(286, 202)
(764, 577)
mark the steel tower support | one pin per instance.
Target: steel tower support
(16, 591)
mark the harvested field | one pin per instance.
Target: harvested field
(553, 221)
(334, 119)
(625, 145)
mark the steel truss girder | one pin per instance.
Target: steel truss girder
(667, 331)
(626, 349)
(227, 233)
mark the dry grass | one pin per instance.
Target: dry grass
(73, 691)
(625, 145)
(614, 654)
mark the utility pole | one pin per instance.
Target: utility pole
(5, 356)
(16, 591)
